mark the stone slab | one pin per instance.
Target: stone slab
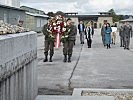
(42, 97)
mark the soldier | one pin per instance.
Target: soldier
(121, 34)
(49, 43)
(127, 29)
(69, 43)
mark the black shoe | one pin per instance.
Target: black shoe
(69, 60)
(50, 59)
(121, 46)
(82, 42)
(45, 60)
(128, 49)
(65, 58)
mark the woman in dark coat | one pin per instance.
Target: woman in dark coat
(108, 31)
(89, 32)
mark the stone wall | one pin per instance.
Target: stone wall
(101, 21)
(18, 60)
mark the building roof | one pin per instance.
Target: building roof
(9, 7)
(36, 15)
(130, 19)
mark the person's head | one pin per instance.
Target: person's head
(88, 24)
(108, 25)
(69, 20)
(48, 19)
(81, 22)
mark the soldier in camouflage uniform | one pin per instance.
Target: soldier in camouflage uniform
(69, 41)
(49, 43)
(127, 29)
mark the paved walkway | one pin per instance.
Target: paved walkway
(94, 67)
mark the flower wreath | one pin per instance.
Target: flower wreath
(57, 29)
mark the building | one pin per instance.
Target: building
(35, 19)
(12, 3)
(97, 20)
(12, 15)
(129, 20)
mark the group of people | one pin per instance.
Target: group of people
(87, 32)
(108, 36)
(125, 33)
(67, 44)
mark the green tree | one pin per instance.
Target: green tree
(116, 17)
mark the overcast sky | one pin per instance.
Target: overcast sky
(81, 6)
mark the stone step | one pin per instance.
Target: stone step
(51, 97)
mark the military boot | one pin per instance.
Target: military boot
(50, 59)
(46, 58)
(65, 58)
(69, 58)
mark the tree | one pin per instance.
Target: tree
(51, 14)
(60, 13)
(116, 17)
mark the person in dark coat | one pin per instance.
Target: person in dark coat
(108, 31)
(127, 29)
(69, 42)
(81, 28)
(49, 43)
(103, 34)
(121, 34)
(89, 32)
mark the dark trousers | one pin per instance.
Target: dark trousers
(103, 40)
(122, 41)
(89, 41)
(126, 42)
(49, 45)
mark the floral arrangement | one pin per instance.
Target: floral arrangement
(6, 28)
(57, 28)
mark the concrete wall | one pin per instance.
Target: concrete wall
(18, 60)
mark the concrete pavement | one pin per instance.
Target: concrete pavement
(94, 67)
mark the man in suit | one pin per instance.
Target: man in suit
(81, 28)
(69, 43)
(49, 43)
(127, 29)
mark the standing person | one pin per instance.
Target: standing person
(108, 31)
(113, 34)
(127, 29)
(69, 42)
(89, 32)
(121, 34)
(103, 34)
(81, 29)
(49, 43)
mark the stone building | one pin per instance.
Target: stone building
(35, 19)
(97, 20)
(12, 15)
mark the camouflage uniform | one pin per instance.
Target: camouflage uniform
(49, 44)
(69, 43)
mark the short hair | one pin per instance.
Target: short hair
(69, 19)
(48, 18)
